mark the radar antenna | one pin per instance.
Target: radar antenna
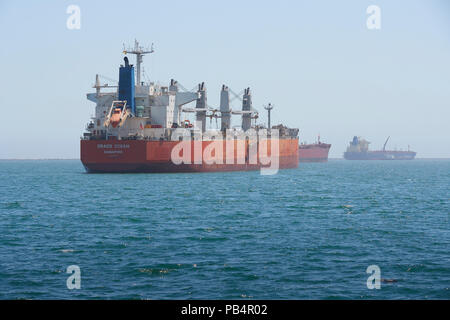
(139, 52)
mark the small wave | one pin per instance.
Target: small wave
(66, 250)
(154, 271)
(12, 205)
(160, 269)
(389, 280)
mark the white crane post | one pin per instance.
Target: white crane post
(225, 109)
(201, 104)
(246, 106)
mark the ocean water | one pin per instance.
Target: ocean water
(306, 233)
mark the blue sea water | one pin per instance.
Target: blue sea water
(306, 233)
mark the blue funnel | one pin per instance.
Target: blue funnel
(126, 85)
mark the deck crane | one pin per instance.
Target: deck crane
(384, 146)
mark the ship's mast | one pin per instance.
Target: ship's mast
(269, 108)
(139, 52)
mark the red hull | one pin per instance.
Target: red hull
(155, 156)
(317, 152)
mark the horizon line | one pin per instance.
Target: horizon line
(331, 158)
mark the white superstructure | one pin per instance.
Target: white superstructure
(157, 109)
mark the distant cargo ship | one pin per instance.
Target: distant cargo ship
(314, 152)
(136, 127)
(359, 150)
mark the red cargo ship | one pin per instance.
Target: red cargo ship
(155, 156)
(139, 128)
(315, 152)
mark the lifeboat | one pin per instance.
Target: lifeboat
(115, 118)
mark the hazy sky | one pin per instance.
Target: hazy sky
(316, 61)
